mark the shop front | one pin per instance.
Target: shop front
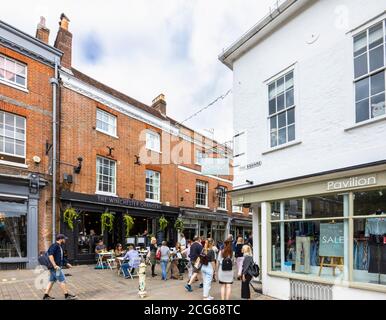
(323, 237)
(87, 227)
(205, 224)
(19, 198)
(241, 227)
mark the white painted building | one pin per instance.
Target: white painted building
(310, 146)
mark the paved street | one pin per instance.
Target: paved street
(91, 284)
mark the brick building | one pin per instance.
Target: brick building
(26, 66)
(115, 156)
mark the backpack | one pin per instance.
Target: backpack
(253, 270)
(45, 261)
(226, 264)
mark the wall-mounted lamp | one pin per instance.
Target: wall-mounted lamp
(137, 161)
(79, 166)
(131, 195)
(218, 190)
(34, 183)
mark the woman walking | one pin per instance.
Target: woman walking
(153, 253)
(165, 253)
(246, 277)
(239, 256)
(208, 268)
(225, 270)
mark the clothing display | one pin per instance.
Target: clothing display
(303, 245)
(375, 226)
(361, 255)
(377, 249)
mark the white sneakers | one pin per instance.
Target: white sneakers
(209, 298)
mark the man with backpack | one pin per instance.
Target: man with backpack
(194, 255)
(54, 260)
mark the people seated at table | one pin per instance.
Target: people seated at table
(131, 260)
(118, 252)
(99, 248)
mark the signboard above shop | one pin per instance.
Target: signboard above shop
(215, 166)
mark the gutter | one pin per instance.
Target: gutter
(55, 85)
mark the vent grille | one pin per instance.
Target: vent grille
(304, 290)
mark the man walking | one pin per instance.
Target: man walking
(57, 260)
(195, 251)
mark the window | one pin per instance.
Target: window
(153, 141)
(13, 229)
(13, 72)
(236, 208)
(282, 110)
(303, 231)
(369, 70)
(106, 175)
(153, 189)
(201, 193)
(222, 198)
(12, 136)
(199, 156)
(106, 122)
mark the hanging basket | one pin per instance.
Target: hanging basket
(107, 222)
(69, 216)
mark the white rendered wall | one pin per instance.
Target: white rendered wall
(324, 94)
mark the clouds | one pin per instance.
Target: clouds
(143, 48)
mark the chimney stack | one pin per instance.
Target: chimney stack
(42, 32)
(63, 41)
(159, 104)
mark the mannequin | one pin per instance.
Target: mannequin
(376, 233)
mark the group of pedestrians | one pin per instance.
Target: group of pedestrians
(205, 260)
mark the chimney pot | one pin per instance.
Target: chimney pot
(159, 103)
(42, 32)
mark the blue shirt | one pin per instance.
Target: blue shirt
(56, 251)
(133, 257)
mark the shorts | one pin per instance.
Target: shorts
(60, 278)
(195, 270)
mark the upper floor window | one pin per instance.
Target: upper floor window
(369, 70)
(106, 175)
(13, 72)
(237, 208)
(199, 156)
(222, 198)
(153, 141)
(106, 122)
(153, 185)
(12, 135)
(201, 193)
(282, 110)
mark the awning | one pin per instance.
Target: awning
(241, 223)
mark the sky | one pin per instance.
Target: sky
(147, 47)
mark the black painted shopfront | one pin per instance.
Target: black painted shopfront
(87, 228)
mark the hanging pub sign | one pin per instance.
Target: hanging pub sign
(331, 242)
(215, 166)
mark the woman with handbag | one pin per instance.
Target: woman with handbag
(245, 274)
(207, 268)
(153, 253)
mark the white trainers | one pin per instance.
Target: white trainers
(209, 298)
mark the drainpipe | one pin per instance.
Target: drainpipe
(55, 83)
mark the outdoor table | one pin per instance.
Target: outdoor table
(100, 258)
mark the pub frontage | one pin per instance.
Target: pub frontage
(87, 227)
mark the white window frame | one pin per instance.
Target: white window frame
(294, 107)
(206, 184)
(110, 116)
(158, 194)
(224, 190)
(150, 139)
(198, 160)
(369, 74)
(14, 83)
(114, 185)
(237, 208)
(25, 135)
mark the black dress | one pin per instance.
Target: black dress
(245, 289)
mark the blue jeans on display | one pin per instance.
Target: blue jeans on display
(207, 275)
(314, 254)
(164, 264)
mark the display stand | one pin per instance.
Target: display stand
(335, 262)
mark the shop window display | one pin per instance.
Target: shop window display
(13, 229)
(369, 243)
(310, 246)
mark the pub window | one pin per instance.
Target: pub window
(106, 122)
(222, 198)
(12, 136)
(106, 175)
(153, 185)
(201, 193)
